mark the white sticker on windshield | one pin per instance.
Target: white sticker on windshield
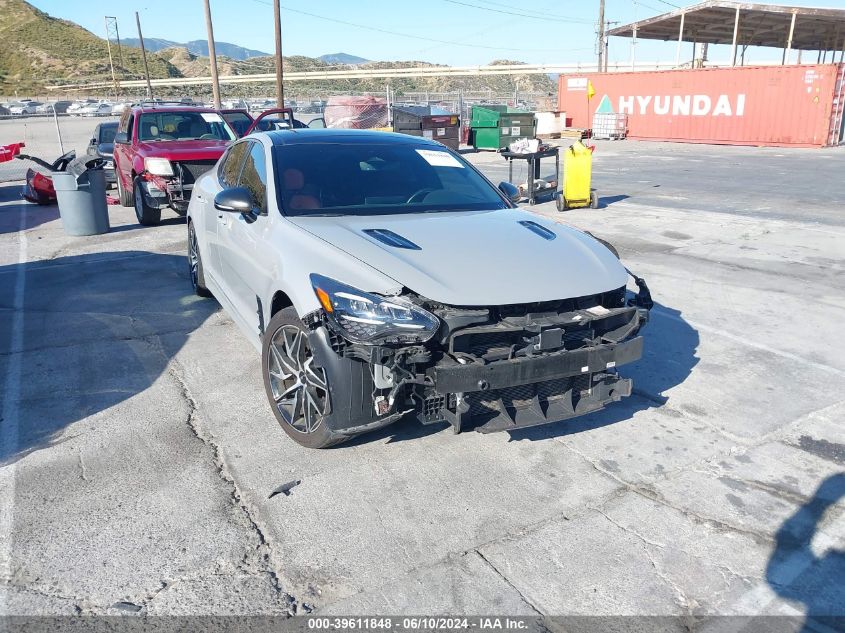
(211, 117)
(439, 159)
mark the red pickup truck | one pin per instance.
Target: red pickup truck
(159, 152)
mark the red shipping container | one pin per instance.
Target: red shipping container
(751, 105)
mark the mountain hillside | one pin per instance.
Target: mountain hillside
(342, 58)
(36, 48)
(37, 51)
(196, 47)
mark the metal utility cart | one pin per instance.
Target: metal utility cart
(422, 121)
(497, 126)
(533, 167)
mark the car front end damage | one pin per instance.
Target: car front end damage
(171, 185)
(490, 369)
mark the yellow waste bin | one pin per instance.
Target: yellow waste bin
(576, 179)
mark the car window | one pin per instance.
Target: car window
(238, 121)
(230, 166)
(378, 179)
(172, 126)
(254, 175)
(107, 133)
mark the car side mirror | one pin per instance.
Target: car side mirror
(234, 200)
(121, 137)
(511, 191)
(93, 141)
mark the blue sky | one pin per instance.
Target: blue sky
(492, 32)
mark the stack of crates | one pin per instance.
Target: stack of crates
(497, 126)
(610, 126)
(420, 121)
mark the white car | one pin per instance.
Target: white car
(118, 108)
(24, 107)
(96, 109)
(381, 275)
(76, 107)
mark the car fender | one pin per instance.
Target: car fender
(299, 254)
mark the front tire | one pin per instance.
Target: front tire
(147, 215)
(297, 389)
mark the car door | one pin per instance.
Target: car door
(228, 173)
(245, 255)
(123, 151)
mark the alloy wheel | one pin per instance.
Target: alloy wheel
(299, 386)
(193, 255)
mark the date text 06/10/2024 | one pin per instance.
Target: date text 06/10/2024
(417, 624)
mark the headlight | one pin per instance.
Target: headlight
(158, 166)
(365, 318)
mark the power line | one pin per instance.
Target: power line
(546, 18)
(411, 36)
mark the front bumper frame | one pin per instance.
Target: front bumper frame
(559, 386)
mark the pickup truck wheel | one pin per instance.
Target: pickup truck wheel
(124, 196)
(195, 264)
(298, 389)
(147, 215)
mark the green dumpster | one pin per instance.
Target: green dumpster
(497, 126)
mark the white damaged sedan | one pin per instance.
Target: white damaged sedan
(381, 275)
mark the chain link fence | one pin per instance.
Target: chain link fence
(49, 135)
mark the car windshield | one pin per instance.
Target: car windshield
(172, 126)
(378, 179)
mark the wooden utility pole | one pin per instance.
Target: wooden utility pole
(280, 89)
(212, 56)
(144, 55)
(601, 36)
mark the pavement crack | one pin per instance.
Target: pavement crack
(652, 495)
(505, 579)
(263, 552)
(83, 475)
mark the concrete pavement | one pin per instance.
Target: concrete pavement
(139, 453)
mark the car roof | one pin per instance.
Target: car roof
(150, 107)
(304, 136)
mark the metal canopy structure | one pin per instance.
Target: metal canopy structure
(745, 24)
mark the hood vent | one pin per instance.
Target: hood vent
(392, 239)
(540, 230)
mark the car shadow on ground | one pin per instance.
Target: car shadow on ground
(89, 339)
(795, 572)
(35, 214)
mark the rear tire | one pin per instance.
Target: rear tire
(147, 215)
(124, 196)
(594, 200)
(195, 269)
(287, 361)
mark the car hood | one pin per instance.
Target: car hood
(184, 150)
(475, 258)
